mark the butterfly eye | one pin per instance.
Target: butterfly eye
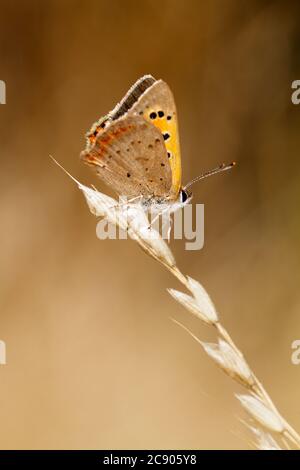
(161, 114)
(184, 196)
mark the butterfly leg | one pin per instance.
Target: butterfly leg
(168, 221)
(167, 227)
(169, 230)
(154, 220)
(126, 202)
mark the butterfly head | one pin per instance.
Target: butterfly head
(185, 196)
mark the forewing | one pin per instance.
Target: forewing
(157, 106)
(132, 96)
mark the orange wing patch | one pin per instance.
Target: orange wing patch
(167, 124)
(96, 129)
(91, 158)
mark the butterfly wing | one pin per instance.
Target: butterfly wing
(121, 108)
(130, 156)
(154, 169)
(156, 104)
(132, 96)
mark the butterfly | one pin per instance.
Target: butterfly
(135, 147)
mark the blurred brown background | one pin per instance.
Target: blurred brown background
(93, 360)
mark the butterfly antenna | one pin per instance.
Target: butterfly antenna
(219, 169)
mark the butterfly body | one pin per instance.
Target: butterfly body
(135, 148)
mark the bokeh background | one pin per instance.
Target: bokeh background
(93, 360)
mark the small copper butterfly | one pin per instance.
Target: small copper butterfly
(135, 147)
